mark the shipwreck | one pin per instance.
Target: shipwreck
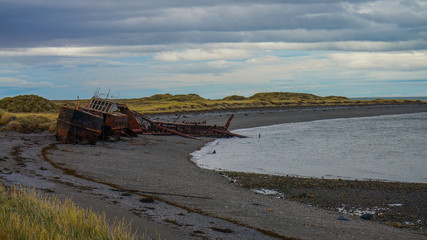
(105, 119)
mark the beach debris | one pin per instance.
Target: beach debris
(268, 192)
(108, 120)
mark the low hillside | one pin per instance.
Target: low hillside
(170, 97)
(168, 103)
(283, 96)
(28, 103)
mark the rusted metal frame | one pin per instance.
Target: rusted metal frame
(193, 129)
(229, 133)
(174, 132)
(229, 121)
(70, 132)
(133, 123)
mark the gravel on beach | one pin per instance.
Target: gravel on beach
(399, 204)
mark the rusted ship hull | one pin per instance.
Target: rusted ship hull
(78, 126)
(108, 120)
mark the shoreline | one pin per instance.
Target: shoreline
(162, 166)
(247, 118)
(343, 148)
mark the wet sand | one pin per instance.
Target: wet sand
(150, 180)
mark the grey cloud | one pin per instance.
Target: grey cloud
(216, 69)
(91, 23)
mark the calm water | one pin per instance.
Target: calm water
(424, 98)
(391, 147)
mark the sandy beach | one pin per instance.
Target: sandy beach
(151, 181)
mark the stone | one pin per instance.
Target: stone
(367, 216)
(341, 217)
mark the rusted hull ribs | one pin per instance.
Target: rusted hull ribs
(196, 130)
(105, 119)
(185, 130)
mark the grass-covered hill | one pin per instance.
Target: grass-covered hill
(169, 97)
(28, 103)
(162, 103)
(27, 113)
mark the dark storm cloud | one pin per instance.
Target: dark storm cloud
(91, 23)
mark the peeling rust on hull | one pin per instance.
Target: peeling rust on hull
(77, 126)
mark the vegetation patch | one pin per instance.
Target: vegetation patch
(168, 103)
(27, 122)
(170, 97)
(27, 104)
(25, 214)
(278, 96)
(234, 98)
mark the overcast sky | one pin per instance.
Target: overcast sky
(61, 49)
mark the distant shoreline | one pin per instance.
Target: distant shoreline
(421, 98)
(256, 117)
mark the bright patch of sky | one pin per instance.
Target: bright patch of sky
(65, 49)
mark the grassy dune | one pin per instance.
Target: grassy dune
(27, 113)
(24, 214)
(167, 103)
(28, 104)
(30, 113)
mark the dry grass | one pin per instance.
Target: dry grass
(24, 214)
(27, 122)
(6, 117)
